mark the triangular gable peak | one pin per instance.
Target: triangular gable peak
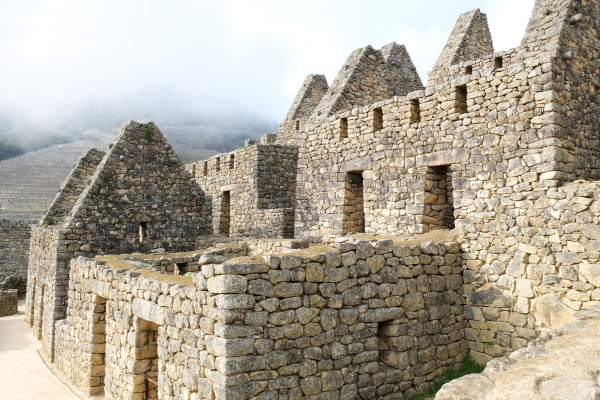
(470, 39)
(357, 84)
(547, 24)
(71, 189)
(402, 73)
(140, 197)
(310, 94)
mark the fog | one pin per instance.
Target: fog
(72, 65)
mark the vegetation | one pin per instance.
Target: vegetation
(149, 132)
(468, 367)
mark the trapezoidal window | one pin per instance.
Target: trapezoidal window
(143, 231)
(353, 219)
(385, 331)
(377, 119)
(415, 111)
(498, 62)
(469, 69)
(194, 170)
(297, 124)
(439, 200)
(225, 213)
(460, 99)
(218, 167)
(231, 161)
(343, 128)
(205, 168)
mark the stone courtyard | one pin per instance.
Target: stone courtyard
(386, 232)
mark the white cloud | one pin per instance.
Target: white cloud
(142, 57)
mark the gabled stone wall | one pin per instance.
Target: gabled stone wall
(137, 198)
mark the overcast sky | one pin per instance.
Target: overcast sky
(151, 58)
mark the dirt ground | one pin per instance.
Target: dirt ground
(23, 374)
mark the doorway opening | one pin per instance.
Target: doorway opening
(146, 358)
(98, 345)
(439, 200)
(354, 209)
(225, 218)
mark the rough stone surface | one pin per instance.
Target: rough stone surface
(323, 338)
(135, 197)
(558, 366)
(8, 302)
(14, 250)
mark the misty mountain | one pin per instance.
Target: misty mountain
(192, 138)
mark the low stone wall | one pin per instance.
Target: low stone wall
(360, 318)
(9, 302)
(373, 320)
(14, 248)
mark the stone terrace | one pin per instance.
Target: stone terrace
(28, 183)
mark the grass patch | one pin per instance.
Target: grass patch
(468, 367)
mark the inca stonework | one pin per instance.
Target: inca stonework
(14, 252)
(383, 233)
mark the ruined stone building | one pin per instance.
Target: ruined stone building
(383, 233)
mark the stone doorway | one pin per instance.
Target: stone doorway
(439, 200)
(354, 206)
(39, 320)
(98, 345)
(146, 359)
(225, 217)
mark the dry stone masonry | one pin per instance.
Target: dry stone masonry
(14, 251)
(372, 318)
(251, 189)
(9, 301)
(383, 233)
(135, 197)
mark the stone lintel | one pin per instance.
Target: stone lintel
(100, 288)
(149, 311)
(446, 157)
(229, 188)
(358, 164)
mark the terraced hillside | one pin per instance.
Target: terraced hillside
(28, 183)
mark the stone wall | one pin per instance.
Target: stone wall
(373, 319)
(9, 302)
(475, 147)
(541, 271)
(310, 94)
(106, 341)
(251, 189)
(14, 249)
(369, 319)
(47, 283)
(138, 198)
(508, 131)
